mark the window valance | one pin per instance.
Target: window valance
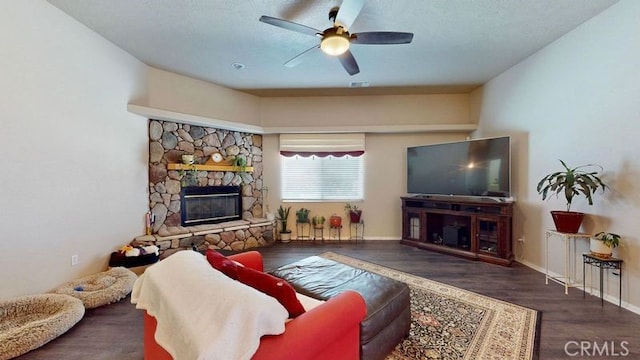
(322, 145)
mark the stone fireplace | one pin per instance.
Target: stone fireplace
(178, 191)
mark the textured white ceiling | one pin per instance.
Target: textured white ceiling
(460, 43)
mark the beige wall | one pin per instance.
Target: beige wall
(73, 159)
(181, 94)
(575, 100)
(365, 110)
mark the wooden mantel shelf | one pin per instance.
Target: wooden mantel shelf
(208, 167)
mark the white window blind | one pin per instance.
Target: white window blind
(322, 167)
(322, 178)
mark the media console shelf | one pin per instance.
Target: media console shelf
(473, 229)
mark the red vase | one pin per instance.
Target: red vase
(335, 221)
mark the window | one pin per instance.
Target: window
(322, 167)
(328, 178)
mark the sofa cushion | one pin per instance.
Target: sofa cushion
(273, 286)
(222, 264)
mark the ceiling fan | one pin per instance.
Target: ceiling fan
(335, 41)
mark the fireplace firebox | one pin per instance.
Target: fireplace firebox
(209, 204)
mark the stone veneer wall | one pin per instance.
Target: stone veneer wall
(168, 141)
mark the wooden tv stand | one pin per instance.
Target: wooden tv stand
(473, 229)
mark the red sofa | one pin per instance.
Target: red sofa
(328, 331)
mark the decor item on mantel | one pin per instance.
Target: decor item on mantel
(571, 182)
(603, 243)
(188, 159)
(354, 212)
(283, 216)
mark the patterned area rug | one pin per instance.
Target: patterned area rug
(452, 323)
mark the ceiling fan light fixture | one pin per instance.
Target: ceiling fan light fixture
(335, 42)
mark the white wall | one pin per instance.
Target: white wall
(576, 100)
(73, 161)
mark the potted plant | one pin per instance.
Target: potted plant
(335, 221)
(318, 221)
(302, 215)
(283, 216)
(603, 243)
(570, 182)
(354, 212)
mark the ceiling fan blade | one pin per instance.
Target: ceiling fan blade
(381, 38)
(300, 57)
(285, 24)
(349, 63)
(349, 11)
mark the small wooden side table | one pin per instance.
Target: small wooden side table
(602, 263)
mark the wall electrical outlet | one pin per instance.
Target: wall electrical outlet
(74, 260)
(521, 239)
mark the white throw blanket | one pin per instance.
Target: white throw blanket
(202, 313)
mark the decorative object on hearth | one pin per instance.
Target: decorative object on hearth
(302, 215)
(28, 322)
(283, 216)
(100, 289)
(458, 324)
(603, 243)
(335, 41)
(571, 182)
(354, 212)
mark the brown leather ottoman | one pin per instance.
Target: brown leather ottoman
(388, 313)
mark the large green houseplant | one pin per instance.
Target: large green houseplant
(571, 182)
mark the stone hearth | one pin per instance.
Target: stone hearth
(233, 235)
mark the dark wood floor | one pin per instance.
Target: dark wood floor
(115, 331)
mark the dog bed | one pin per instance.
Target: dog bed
(102, 288)
(28, 322)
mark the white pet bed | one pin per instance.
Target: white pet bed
(102, 288)
(28, 322)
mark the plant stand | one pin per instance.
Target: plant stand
(601, 263)
(569, 278)
(303, 230)
(356, 231)
(318, 233)
(334, 232)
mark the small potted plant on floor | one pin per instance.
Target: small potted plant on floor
(283, 216)
(571, 182)
(354, 212)
(603, 243)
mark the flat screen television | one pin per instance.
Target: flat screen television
(477, 168)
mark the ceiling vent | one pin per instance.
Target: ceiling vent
(359, 84)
